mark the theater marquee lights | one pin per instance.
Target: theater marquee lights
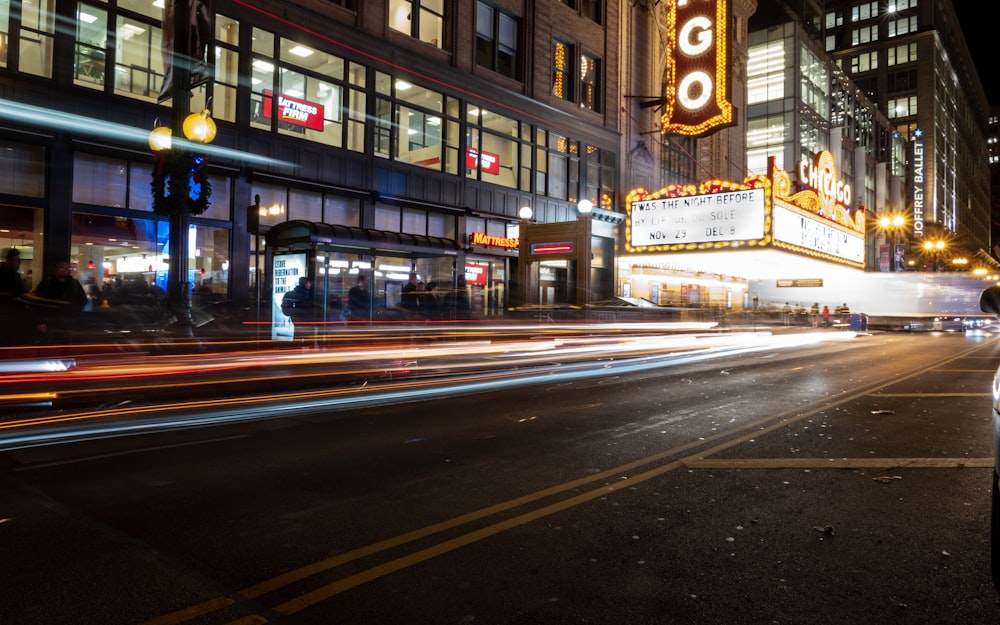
(697, 66)
(813, 218)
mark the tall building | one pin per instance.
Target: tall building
(910, 57)
(378, 136)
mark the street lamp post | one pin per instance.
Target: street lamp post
(180, 189)
(253, 225)
(894, 224)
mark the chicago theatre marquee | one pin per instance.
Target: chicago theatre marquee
(700, 245)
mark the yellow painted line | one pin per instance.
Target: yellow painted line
(193, 612)
(753, 430)
(841, 463)
(931, 394)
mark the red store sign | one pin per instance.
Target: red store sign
(295, 111)
(485, 161)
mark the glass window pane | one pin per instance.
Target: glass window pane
(22, 169)
(37, 30)
(91, 46)
(342, 211)
(387, 218)
(100, 180)
(414, 221)
(307, 205)
(4, 31)
(127, 256)
(138, 62)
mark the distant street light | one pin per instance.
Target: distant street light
(894, 224)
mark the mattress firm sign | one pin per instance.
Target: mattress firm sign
(803, 231)
(713, 217)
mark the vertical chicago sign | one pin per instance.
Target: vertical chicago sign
(697, 67)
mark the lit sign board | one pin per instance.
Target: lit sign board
(562, 247)
(507, 243)
(691, 219)
(918, 182)
(475, 273)
(286, 269)
(760, 212)
(484, 161)
(295, 111)
(782, 283)
(697, 59)
(820, 175)
(800, 230)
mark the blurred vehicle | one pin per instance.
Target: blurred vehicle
(989, 302)
(630, 309)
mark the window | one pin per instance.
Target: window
(864, 62)
(37, 33)
(91, 46)
(590, 83)
(421, 19)
(591, 9)
(903, 80)
(766, 72)
(902, 54)
(834, 19)
(903, 107)
(138, 60)
(815, 83)
(227, 38)
(497, 40)
(901, 5)
(903, 26)
(22, 169)
(562, 70)
(867, 34)
(864, 11)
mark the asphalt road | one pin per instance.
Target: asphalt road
(838, 483)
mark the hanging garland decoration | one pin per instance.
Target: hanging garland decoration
(179, 184)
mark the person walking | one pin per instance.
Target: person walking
(58, 299)
(359, 300)
(814, 315)
(410, 298)
(826, 316)
(431, 302)
(299, 305)
(12, 309)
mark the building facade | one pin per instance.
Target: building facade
(910, 58)
(420, 126)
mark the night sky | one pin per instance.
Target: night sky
(981, 44)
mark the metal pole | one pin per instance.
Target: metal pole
(178, 286)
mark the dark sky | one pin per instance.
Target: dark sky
(981, 44)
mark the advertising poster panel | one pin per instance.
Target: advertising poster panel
(286, 269)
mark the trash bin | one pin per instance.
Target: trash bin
(859, 321)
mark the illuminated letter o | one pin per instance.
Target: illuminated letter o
(685, 87)
(692, 43)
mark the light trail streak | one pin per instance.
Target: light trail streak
(131, 420)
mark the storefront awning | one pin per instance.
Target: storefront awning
(332, 237)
